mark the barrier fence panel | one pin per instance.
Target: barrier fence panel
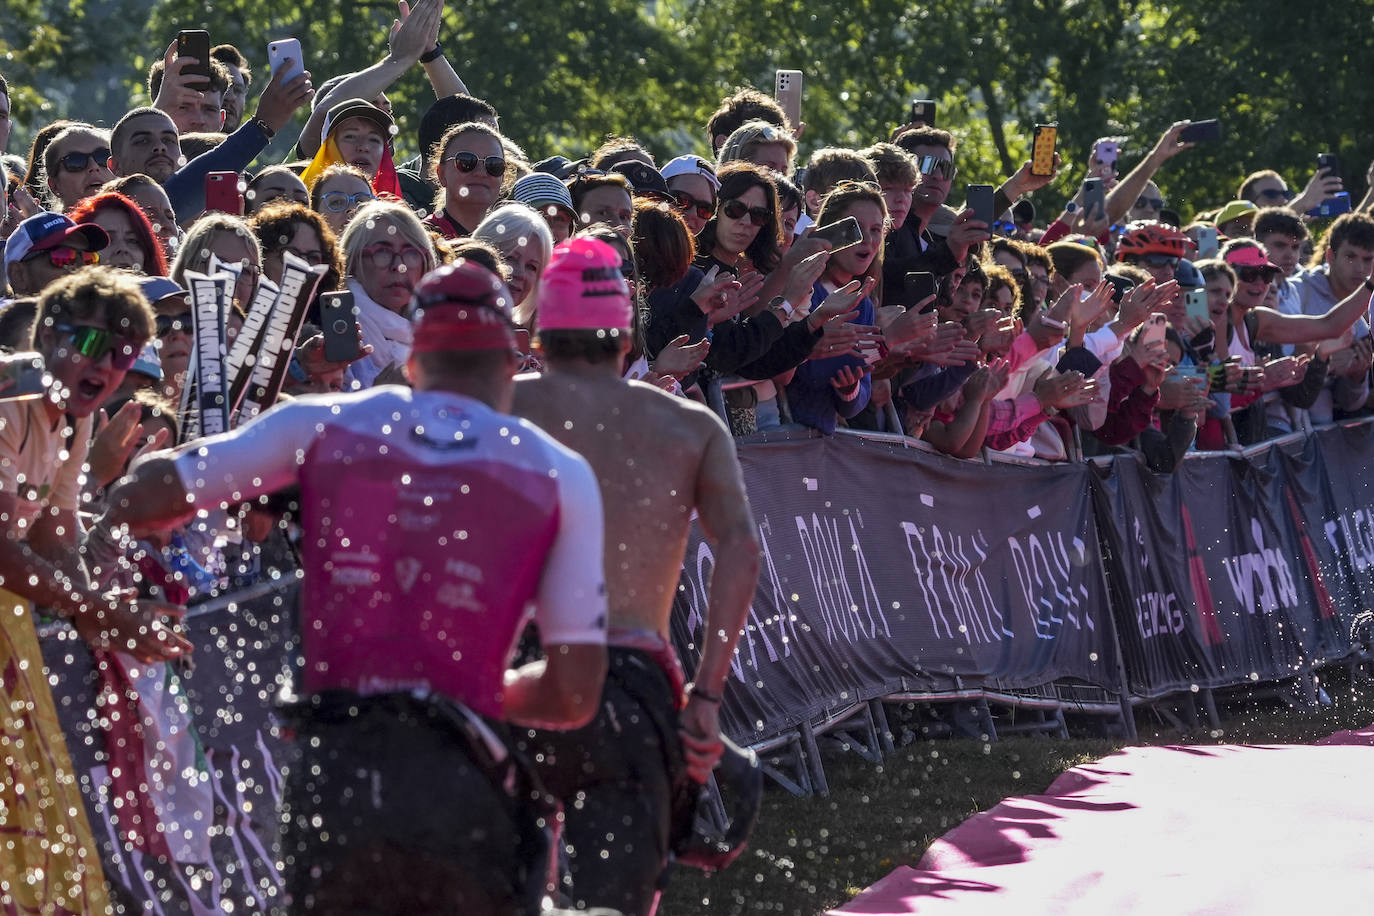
(890, 570)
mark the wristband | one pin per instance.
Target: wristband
(701, 694)
(433, 55)
(1369, 284)
(268, 132)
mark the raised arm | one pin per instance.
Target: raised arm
(1123, 196)
(1276, 327)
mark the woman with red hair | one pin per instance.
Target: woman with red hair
(132, 243)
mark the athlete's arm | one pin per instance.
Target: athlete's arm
(1276, 327)
(563, 689)
(165, 489)
(723, 510)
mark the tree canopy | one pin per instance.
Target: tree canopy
(1285, 81)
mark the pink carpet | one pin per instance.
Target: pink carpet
(1163, 830)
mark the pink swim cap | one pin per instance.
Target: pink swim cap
(583, 289)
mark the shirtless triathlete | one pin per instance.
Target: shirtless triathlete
(656, 458)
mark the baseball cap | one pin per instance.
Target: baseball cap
(155, 289)
(1234, 210)
(543, 191)
(357, 108)
(48, 230)
(1249, 256)
(583, 289)
(148, 362)
(690, 165)
(462, 306)
(644, 179)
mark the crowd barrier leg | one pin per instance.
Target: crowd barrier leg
(854, 730)
(879, 714)
(785, 762)
(813, 757)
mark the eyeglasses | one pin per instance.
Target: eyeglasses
(737, 209)
(686, 202)
(94, 343)
(940, 168)
(166, 324)
(383, 257)
(468, 162)
(1276, 194)
(1158, 260)
(77, 162)
(65, 258)
(1252, 274)
(1149, 203)
(338, 201)
(770, 135)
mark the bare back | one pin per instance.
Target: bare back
(653, 457)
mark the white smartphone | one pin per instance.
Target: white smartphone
(277, 53)
(787, 89)
(1207, 242)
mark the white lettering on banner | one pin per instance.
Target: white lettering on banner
(1044, 569)
(825, 554)
(1356, 529)
(943, 572)
(1158, 614)
(1261, 580)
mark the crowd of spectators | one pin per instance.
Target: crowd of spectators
(1113, 326)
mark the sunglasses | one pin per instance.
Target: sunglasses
(77, 162)
(1275, 194)
(1149, 203)
(737, 209)
(1159, 260)
(940, 168)
(338, 201)
(166, 324)
(1252, 274)
(468, 162)
(64, 258)
(94, 343)
(686, 202)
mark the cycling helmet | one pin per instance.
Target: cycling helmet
(1148, 237)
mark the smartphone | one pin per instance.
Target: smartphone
(1094, 197)
(979, 198)
(522, 341)
(338, 321)
(1333, 206)
(1329, 163)
(224, 192)
(920, 286)
(195, 43)
(1195, 305)
(922, 112)
(787, 89)
(1153, 330)
(28, 376)
(1042, 150)
(1120, 286)
(277, 53)
(1201, 132)
(1207, 242)
(1105, 151)
(843, 234)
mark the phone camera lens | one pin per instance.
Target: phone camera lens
(340, 326)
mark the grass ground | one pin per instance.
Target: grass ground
(809, 854)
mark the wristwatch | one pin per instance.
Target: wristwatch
(782, 305)
(433, 55)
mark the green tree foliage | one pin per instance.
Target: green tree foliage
(1287, 82)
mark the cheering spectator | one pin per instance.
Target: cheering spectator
(338, 195)
(47, 247)
(132, 243)
(357, 133)
(525, 243)
(386, 251)
(75, 165)
(152, 200)
(469, 166)
(276, 182)
(694, 185)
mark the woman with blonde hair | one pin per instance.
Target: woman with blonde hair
(386, 251)
(526, 244)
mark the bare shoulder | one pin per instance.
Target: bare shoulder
(689, 414)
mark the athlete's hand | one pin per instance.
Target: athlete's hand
(700, 733)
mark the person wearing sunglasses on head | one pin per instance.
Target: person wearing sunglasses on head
(90, 329)
(386, 251)
(76, 164)
(469, 167)
(693, 184)
(47, 247)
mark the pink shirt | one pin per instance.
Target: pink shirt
(433, 527)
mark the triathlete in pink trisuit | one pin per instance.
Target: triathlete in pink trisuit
(432, 525)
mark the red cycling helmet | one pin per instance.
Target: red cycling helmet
(1146, 238)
